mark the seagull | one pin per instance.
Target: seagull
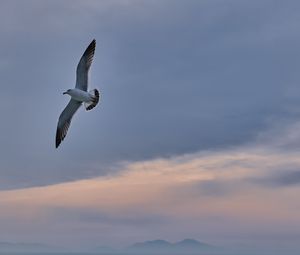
(79, 94)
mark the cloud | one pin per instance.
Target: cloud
(280, 179)
(233, 192)
(198, 77)
(97, 216)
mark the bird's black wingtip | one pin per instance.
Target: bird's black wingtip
(93, 42)
(90, 49)
(57, 139)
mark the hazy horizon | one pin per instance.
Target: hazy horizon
(197, 134)
(159, 247)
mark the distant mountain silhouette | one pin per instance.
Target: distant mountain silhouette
(185, 246)
(191, 243)
(155, 245)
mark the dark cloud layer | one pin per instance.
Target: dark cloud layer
(89, 216)
(280, 179)
(176, 78)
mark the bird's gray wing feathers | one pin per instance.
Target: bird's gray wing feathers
(64, 120)
(84, 66)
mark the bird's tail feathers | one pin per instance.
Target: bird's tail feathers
(95, 100)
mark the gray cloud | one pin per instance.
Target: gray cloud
(279, 179)
(201, 75)
(212, 188)
(88, 216)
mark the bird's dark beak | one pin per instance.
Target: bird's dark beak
(65, 93)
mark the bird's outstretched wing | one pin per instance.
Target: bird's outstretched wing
(84, 66)
(64, 120)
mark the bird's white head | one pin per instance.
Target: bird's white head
(67, 92)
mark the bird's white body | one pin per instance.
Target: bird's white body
(80, 95)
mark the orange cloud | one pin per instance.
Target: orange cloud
(176, 187)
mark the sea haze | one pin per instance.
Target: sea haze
(153, 247)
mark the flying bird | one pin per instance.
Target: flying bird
(79, 94)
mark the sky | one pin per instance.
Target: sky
(197, 134)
